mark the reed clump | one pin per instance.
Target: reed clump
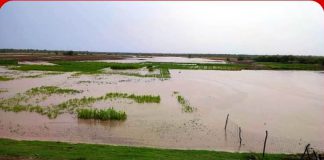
(101, 114)
(185, 104)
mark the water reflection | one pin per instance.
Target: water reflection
(108, 124)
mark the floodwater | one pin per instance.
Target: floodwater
(165, 59)
(289, 104)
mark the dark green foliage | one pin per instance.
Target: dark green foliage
(290, 59)
(290, 66)
(68, 53)
(240, 58)
(60, 150)
(101, 114)
(150, 68)
(125, 65)
(8, 62)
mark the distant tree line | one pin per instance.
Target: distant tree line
(290, 59)
(69, 53)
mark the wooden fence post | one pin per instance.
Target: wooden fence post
(314, 153)
(306, 150)
(240, 131)
(264, 144)
(226, 122)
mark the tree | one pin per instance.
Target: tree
(68, 53)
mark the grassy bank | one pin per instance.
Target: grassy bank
(67, 151)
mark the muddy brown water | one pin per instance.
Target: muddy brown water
(289, 104)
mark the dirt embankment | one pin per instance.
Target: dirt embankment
(53, 57)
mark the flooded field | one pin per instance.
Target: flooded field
(289, 104)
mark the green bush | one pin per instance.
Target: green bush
(8, 62)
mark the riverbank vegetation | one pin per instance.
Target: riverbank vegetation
(11, 149)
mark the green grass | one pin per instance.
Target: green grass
(67, 151)
(185, 104)
(101, 114)
(4, 78)
(84, 67)
(49, 90)
(8, 62)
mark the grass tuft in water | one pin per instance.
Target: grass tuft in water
(185, 104)
(49, 90)
(101, 114)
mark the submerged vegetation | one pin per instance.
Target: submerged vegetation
(19, 102)
(4, 78)
(49, 90)
(3, 90)
(136, 98)
(101, 114)
(184, 103)
(41, 75)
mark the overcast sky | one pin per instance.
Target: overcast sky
(268, 27)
